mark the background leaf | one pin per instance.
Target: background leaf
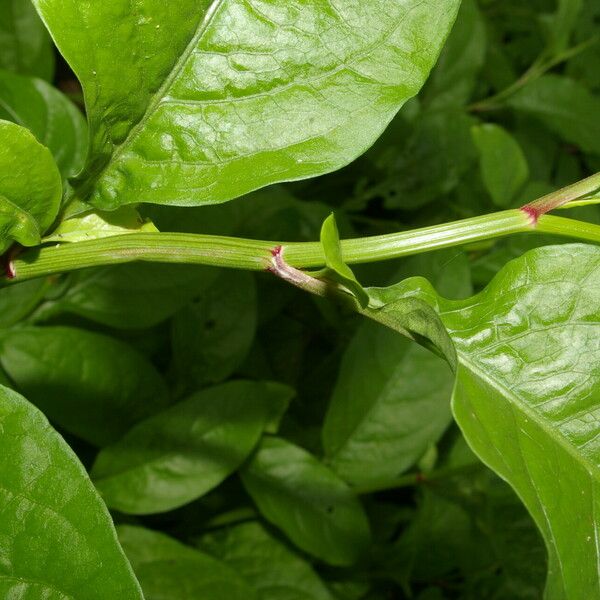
(58, 540)
(273, 570)
(306, 500)
(185, 451)
(54, 120)
(132, 296)
(30, 187)
(392, 398)
(92, 385)
(217, 82)
(168, 570)
(212, 335)
(566, 107)
(25, 45)
(504, 168)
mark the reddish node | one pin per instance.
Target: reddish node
(533, 213)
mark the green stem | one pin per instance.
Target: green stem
(258, 255)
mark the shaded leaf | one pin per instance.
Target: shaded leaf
(212, 335)
(30, 187)
(180, 454)
(504, 168)
(307, 501)
(273, 570)
(132, 296)
(392, 398)
(54, 120)
(168, 570)
(92, 385)
(25, 45)
(565, 106)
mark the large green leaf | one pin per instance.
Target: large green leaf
(54, 120)
(30, 187)
(306, 500)
(92, 385)
(25, 45)
(392, 398)
(526, 397)
(168, 570)
(57, 538)
(273, 570)
(202, 101)
(185, 451)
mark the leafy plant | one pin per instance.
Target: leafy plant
(419, 419)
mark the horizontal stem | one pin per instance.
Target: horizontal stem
(257, 255)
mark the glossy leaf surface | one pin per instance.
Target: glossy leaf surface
(210, 85)
(168, 570)
(182, 453)
(54, 120)
(30, 187)
(306, 500)
(527, 394)
(58, 540)
(94, 386)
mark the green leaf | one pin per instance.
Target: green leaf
(526, 394)
(25, 45)
(212, 335)
(432, 161)
(168, 570)
(91, 385)
(453, 80)
(229, 96)
(132, 296)
(182, 453)
(58, 540)
(54, 120)
(307, 501)
(94, 225)
(336, 267)
(565, 106)
(392, 398)
(560, 25)
(273, 570)
(504, 168)
(30, 187)
(19, 300)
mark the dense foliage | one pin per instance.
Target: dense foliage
(422, 427)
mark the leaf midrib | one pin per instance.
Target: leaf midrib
(179, 65)
(551, 432)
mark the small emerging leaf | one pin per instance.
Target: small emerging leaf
(330, 240)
